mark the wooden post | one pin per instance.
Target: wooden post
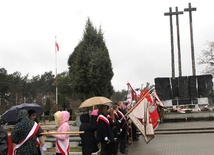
(178, 40)
(170, 13)
(190, 9)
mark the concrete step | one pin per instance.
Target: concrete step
(184, 132)
(193, 116)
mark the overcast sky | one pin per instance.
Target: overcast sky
(136, 32)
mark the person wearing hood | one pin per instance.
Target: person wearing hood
(24, 135)
(88, 135)
(62, 140)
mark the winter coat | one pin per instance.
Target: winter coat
(20, 132)
(61, 120)
(124, 124)
(104, 129)
(89, 143)
(3, 142)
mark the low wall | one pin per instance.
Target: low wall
(173, 116)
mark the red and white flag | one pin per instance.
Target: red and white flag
(132, 94)
(57, 46)
(153, 112)
(140, 117)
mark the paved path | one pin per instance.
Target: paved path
(184, 125)
(177, 144)
(184, 144)
(174, 144)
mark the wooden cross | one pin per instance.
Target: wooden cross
(190, 9)
(170, 14)
(178, 40)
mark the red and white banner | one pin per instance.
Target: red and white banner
(140, 117)
(31, 134)
(64, 150)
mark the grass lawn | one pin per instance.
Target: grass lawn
(72, 149)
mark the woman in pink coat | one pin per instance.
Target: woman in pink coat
(62, 140)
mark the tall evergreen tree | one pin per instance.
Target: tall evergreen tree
(90, 66)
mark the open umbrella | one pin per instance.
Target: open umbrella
(97, 100)
(11, 114)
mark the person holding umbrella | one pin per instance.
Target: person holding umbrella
(104, 131)
(40, 141)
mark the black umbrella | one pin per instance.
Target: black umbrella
(11, 114)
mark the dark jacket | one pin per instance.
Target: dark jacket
(104, 129)
(89, 143)
(20, 132)
(124, 124)
(3, 142)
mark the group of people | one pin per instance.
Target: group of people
(110, 130)
(27, 135)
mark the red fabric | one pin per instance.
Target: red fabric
(37, 143)
(57, 46)
(10, 145)
(60, 149)
(133, 92)
(154, 117)
(103, 118)
(33, 134)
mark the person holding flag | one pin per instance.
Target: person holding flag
(123, 127)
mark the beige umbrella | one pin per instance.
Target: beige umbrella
(97, 100)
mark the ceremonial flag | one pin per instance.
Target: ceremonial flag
(132, 95)
(157, 100)
(140, 117)
(57, 46)
(153, 112)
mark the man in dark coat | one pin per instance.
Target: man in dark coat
(3, 142)
(123, 127)
(89, 143)
(24, 128)
(104, 131)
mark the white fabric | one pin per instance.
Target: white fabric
(28, 136)
(139, 110)
(64, 148)
(42, 148)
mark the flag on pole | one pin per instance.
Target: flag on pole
(132, 94)
(140, 117)
(153, 112)
(57, 46)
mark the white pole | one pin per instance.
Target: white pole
(56, 73)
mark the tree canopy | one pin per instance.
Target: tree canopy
(90, 66)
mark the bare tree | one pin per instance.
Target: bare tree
(207, 58)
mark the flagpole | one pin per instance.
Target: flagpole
(56, 74)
